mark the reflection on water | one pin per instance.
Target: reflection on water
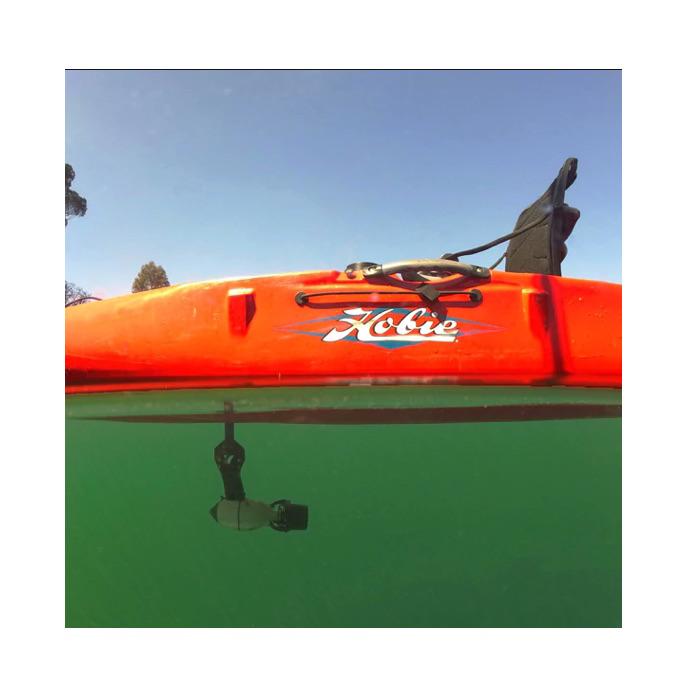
(484, 522)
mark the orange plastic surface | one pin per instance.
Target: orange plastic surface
(526, 330)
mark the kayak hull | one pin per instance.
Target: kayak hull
(329, 328)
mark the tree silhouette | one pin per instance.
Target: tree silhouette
(151, 276)
(75, 204)
(75, 295)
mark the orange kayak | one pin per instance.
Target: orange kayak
(354, 327)
(411, 322)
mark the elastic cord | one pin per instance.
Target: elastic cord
(498, 241)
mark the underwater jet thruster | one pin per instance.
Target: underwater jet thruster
(238, 512)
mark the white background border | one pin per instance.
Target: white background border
(654, 650)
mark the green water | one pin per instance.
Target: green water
(440, 525)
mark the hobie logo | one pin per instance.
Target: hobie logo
(390, 328)
(369, 327)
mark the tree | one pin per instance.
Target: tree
(75, 204)
(75, 295)
(151, 276)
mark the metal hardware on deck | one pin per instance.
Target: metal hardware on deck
(422, 268)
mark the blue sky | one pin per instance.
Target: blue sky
(226, 173)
